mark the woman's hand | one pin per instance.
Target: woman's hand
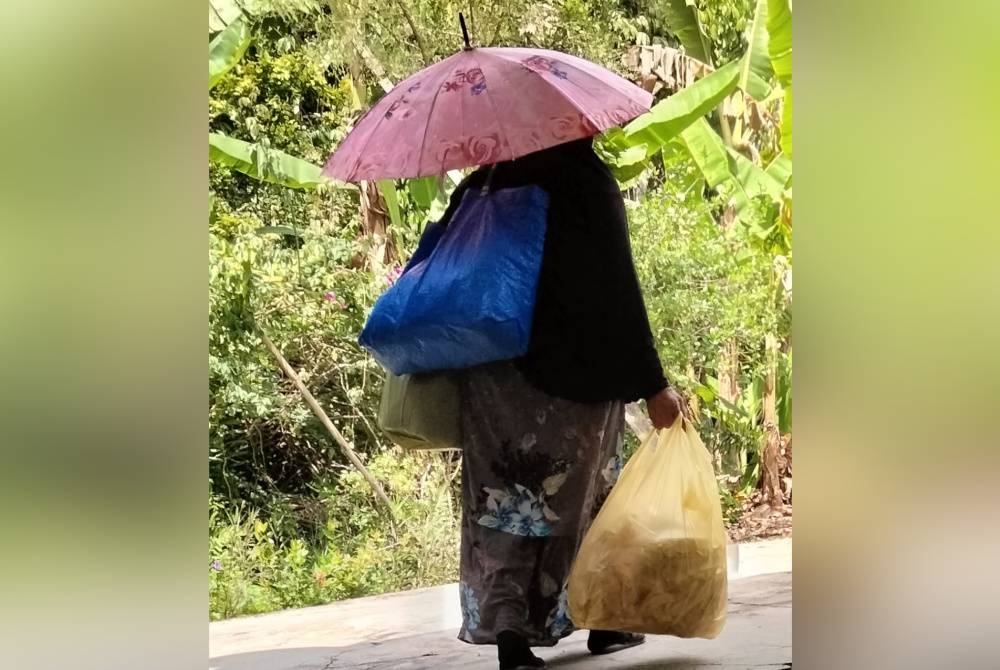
(664, 408)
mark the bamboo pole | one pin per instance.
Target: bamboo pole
(345, 447)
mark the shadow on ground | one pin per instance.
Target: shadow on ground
(676, 663)
(404, 656)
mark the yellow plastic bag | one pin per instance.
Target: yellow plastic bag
(654, 560)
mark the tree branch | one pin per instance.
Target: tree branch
(500, 23)
(416, 33)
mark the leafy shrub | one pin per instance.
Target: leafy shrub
(706, 287)
(256, 567)
(263, 440)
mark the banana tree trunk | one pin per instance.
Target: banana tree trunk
(729, 390)
(729, 387)
(694, 402)
(375, 226)
(772, 464)
(375, 217)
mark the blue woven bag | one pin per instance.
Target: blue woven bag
(467, 296)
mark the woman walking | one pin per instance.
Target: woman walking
(542, 435)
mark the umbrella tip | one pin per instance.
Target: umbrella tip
(465, 31)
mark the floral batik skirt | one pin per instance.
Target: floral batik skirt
(535, 472)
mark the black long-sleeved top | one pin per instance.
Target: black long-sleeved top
(590, 339)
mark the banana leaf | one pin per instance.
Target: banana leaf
(388, 190)
(271, 166)
(669, 118)
(756, 70)
(226, 49)
(779, 28)
(681, 17)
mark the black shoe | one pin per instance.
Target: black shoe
(603, 642)
(515, 654)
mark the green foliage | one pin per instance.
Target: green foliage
(277, 114)
(710, 30)
(286, 97)
(627, 151)
(724, 23)
(682, 121)
(388, 191)
(569, 26)
(680, 18)
(302, 291)
(705, 288)
(402, 36)
(732, 505)
(779, 27)
(257, 567)
(259, 162)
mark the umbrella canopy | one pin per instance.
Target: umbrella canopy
(484, 106)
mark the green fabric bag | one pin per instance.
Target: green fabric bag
(421, 411)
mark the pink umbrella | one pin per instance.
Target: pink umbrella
(484, 106)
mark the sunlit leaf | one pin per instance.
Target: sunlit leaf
(226, 49)
(755, 69)
(388, 190)
(681, 18)
(423, 191)
(779, 28)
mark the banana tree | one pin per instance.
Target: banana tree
(681, 117)
(755, 69)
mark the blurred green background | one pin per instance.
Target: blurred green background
(103, 202)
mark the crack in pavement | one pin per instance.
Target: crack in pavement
(772, 605)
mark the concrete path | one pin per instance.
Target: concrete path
(417, 630)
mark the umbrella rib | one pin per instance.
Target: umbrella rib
(489, 97)
(430, 115)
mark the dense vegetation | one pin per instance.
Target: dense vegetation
(709, 197)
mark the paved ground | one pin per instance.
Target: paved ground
(416, 631)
